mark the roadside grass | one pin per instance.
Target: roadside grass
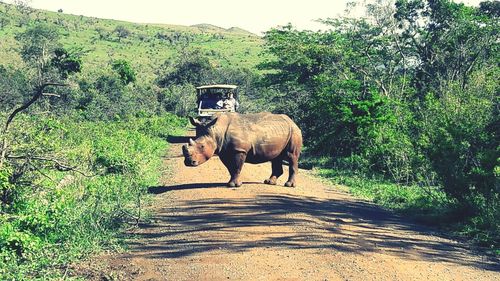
(59, 217)
(428, 205)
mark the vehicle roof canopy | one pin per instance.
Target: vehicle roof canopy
(217, 86)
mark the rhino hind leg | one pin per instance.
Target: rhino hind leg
(277, 171)
(293, 160)
(293, 168)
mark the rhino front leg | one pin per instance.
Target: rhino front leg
(234, 164)
(277, 166)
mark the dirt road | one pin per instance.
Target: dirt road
(202, 230)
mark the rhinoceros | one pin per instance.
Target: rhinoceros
(252, 138)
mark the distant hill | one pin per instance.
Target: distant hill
(239, 30)
(146, 46)
(206, 27)
(213, 28)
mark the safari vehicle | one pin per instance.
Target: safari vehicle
(212, 99)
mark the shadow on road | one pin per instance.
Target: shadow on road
(197, 226)
(163, 189)
(178, 139)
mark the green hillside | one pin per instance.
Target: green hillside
(146, 46)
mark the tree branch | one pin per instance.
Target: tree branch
(51, 95)
(42, 173)
(36, 96)
(60, 166)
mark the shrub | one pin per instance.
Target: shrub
(124, 70)
(55, 216)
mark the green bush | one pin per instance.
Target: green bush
(124, 70)
(56, 217)
(415, 113)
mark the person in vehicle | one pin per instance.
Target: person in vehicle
(231, 103)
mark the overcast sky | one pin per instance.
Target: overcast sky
(253, 15)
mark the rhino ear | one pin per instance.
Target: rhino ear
(212, 122)
(195, 122)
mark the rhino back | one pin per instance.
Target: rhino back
(262, 136)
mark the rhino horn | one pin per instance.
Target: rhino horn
(191, 141)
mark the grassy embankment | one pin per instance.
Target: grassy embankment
(63, 216)
(428, 205)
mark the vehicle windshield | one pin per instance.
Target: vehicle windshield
(213, 98)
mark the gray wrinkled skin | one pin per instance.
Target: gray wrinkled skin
(253, 138)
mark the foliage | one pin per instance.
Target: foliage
(490, 8)
(13, 86)
(106, 97)
(122, 32)
(37, 43)
(407, 93)
(179, 99)
(124, 70)
(53, 216)
(190, 67)
(462, 144)
(46, 68)
(178, 79)
(66, 62)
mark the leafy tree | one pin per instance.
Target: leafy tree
(4, 16)
(122, 32)
(13, 87)
(66, 62)
(46, 68)
(105, 96)
(332, 74)
(103, 33)
(38, 44)
(454, 46)
(490, 8)
(24, 8)
(178, 99)
(124, 70)
(448, 41)
(401, 90)
(190, 67)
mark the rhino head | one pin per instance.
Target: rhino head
(198, 151)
